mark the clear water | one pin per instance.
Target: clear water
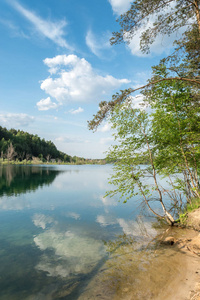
(57, 231)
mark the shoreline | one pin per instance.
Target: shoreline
(185, 285)
(162, 271)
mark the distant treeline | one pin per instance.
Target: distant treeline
(19, 146)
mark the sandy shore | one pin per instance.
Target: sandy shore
(185, 284)
(161, 272)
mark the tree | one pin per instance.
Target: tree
(175, 122)
(133, 136)
(27, 145)
(10, 154)
(160, 17)
(166, 17)
(48, 157)
(169, 136)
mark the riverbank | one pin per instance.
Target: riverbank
(166, 268)
(192, 248)
(185, 283)
(40, 162)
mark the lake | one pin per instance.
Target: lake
(61, 239)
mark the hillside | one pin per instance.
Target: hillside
(21, 146)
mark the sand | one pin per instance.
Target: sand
(160, 271)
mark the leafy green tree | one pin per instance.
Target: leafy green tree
(175, 122)
(168, 137)
(3, 146)
(133, 136)
(168, 17)
(160, 17)
(66, 158)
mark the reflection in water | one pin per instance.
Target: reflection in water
(137, 228)
(73, 215)
(136, 270)
(16, 180)
(42, 221)
(71, 254)
(65, 241)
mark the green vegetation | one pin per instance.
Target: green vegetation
(166, 129)
(189, 207)
(21, 147)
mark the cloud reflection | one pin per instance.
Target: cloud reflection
(108, 201)
(129, 227)
(73, 215)
(13, 204)
(41, 220)
(105, 220)
(72, 253)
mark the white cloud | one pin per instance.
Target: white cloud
(160, 45)
(106, 127)
(46, 104)
(76, 80)
(137, 101)
(76, 111)
(120, 6)
(106, 140)
(51, 30)
(66, 139)
(97, 44)
(15, 120)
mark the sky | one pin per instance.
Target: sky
(57, 64)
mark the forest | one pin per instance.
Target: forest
(21, 146)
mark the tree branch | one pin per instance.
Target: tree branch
(106, 107)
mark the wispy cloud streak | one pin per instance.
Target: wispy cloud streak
(51, 30)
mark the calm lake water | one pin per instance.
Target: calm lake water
(58, 233)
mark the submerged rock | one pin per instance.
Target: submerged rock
(170, 240)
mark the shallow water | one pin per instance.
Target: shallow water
(60, 239)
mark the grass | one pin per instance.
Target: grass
(194, 204)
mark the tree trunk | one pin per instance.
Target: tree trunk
(197, 12)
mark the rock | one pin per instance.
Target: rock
(170, 240)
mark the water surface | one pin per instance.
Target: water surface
(58, 233)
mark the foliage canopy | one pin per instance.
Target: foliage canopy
(166, 130)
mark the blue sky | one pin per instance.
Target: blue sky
(56, 65)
